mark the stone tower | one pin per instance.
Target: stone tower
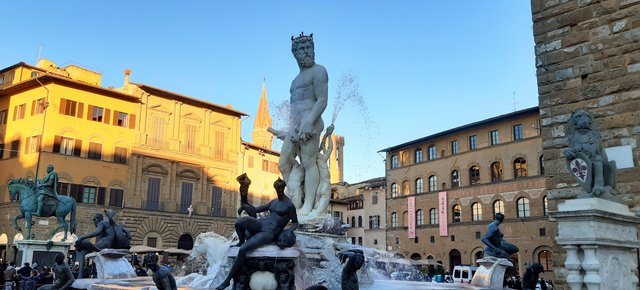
(261, 137)
(336, 160)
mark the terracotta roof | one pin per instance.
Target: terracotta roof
(254, 146)
(187, 99)
(464, 127)
(58, 79)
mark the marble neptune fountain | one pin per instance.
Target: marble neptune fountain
(269, 255)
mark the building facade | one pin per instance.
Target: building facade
(365, 211)
(444, 189)
(167, 162)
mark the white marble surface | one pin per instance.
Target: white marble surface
(594, 204)
(110, 267)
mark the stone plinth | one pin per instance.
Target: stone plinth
(271, 267)
(491, 272)
(111, 264)
(30, 251)
(600, 238)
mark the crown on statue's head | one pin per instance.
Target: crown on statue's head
(301, 38)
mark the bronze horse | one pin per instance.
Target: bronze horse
(25, 191)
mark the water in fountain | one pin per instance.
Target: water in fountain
(203, 273)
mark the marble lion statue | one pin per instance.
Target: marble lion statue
(587, 160)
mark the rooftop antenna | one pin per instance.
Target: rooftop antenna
(40, 52)
(514, 101)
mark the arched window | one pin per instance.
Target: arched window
(432, 152)
(433, 216)
(474, 175)
(405, 218)
(542, 166)
(544, 258)
(498, 206)
(545, 206)
(519, 167)
(394, 189)
(418, 155)
(419, 185)
(419, 217)
(185, 242)
(476, 211)
(496, 171)
(457, 213)
(394, 161)
(416, 256)
(455, 178)
(406, 189)
(353, 221)
(523, 207)
(394, 220)
(433, 183)
(360, 221)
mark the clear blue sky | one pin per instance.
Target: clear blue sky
(423, 66)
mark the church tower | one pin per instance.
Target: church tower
(261, 137)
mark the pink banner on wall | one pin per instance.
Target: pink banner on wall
(411, 216)
(442, 213)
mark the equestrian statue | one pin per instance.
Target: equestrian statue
(41, 199)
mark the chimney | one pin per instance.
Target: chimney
(127, 72)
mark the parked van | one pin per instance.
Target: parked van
(463, 273)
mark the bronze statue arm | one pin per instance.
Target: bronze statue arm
(263, 208)
(98, 230)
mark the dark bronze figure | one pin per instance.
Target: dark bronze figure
(531, 275)
(63, 275)
(265, 230)
(496, 246)
(161, 276)
(349, 272)
(108, 234)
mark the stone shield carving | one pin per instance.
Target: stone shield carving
(580, 167)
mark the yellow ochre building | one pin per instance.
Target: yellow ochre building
(167, 162)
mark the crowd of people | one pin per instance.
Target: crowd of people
(28, 277)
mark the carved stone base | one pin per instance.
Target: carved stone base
(111, 264)
(267, 265)
(600, 238)
(491, 272)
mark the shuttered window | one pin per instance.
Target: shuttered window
(153, 193)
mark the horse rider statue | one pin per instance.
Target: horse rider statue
(47, 186)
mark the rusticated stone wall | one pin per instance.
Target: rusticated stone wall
(587, 56)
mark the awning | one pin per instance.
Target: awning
(176, 251)
(144, 249)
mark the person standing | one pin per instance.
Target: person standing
(9, 276)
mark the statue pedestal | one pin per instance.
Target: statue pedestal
(600, 238)
(30, 251)
(111, 264)
(491, 272)
(270, 267)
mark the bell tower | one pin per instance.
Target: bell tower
(261, 137)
